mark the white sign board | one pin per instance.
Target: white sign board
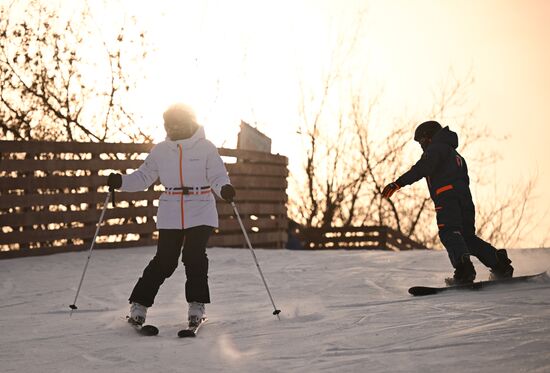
(252, 139)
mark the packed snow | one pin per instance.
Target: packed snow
(342, 311)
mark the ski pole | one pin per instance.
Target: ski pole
(73, 306)
(276, 311)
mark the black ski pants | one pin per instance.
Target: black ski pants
(455, 213)
(166, 260)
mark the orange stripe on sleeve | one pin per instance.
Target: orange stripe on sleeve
(443, 189)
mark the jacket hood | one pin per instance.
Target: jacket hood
(446, 136)
(189, 142)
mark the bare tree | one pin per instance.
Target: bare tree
(60, 79)
(333, 179)
(327, 191)
(347, 165)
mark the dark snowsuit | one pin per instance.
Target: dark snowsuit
(447, 175)
(166, 260)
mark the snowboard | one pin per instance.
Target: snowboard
(429, 290)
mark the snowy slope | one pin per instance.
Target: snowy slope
(341, 312)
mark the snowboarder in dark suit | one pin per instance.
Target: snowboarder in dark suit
(446, 172)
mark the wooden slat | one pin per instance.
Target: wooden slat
(34, 147)
(231, 225)
(345, 245)
(379, 237)
(253, 169)
(49, 250)
(325, 240)
(28, 200)
(222, 240)
(402, 242)
(395, 245)
(252, 208)
(261, 195)
(52, 182)
(366, 229)
(86, 216)
(238, 240)
(26, 165)
(91, 216)
(267, 182)
(73, 233)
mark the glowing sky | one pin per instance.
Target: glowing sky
(246, 59)
(242, 59)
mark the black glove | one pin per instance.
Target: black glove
(114, 181)
(228, 192)
(390, 189)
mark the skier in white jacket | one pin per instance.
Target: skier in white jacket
(190, 169)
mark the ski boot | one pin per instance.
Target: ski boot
(465, 273)
(137, 314)
(503, 269)
(196, 314)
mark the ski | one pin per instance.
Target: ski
(191, 331)
(428, 290)
(146, 330)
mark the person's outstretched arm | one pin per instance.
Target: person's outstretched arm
(424, 167)
(143, 177)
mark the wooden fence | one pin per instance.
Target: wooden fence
(367, 237)
(52, 193)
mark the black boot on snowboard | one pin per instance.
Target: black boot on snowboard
(503, 269)
(465, 273)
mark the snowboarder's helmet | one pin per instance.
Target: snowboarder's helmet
(426, 130)
(179, 115)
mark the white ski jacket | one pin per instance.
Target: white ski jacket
(191, 163)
